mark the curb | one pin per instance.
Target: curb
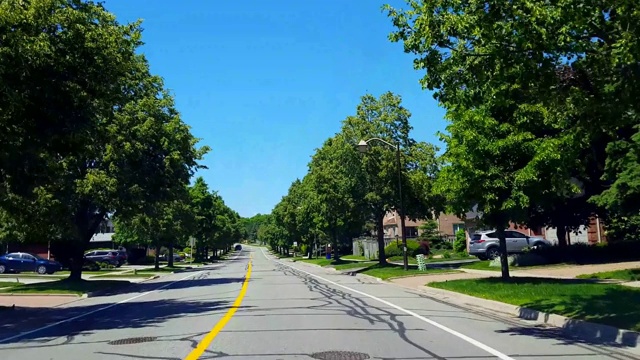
(579, 329)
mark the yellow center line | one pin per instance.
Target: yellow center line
(204, 344)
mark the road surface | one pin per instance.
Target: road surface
(280, 313)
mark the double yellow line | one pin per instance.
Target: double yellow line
(204, 344)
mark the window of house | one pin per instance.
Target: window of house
(457, 227)
(411, 232)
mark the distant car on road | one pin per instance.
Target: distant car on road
(485, 244)
(25, 262)
(238, 247)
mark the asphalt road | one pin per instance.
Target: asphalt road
(280, 313)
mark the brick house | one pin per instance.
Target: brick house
(591, 234)
(448, 225)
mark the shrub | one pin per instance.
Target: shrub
(446, 255)
(413, 248)
(460, 243)
(304, 249)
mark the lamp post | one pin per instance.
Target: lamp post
(363, 147)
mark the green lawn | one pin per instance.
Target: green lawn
(624, 275)
(608, 304)
(390, 271)
(66, 287)
(4, 284)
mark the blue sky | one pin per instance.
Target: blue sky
(264, 83)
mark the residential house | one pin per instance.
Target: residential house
(591, 234)
(102, 239)
(448, 225)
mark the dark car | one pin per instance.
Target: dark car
(25, 262)
(111, 257)
(238, 247)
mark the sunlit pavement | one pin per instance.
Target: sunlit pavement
(287, 312)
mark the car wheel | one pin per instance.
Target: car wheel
(493, 253)
(3, 269)
(482, 257)
(539, 245)
(41, 269)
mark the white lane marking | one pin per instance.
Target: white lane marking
(464, 337)
(97, 310)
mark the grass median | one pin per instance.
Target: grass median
(392, 271)
(608, 304)
(8, 284)
(76, 287)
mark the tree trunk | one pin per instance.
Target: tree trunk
(77, 260)
(382, 258)
(170, 259)
(86, 223)
(156, 261)
(561, 232)
(504, 260)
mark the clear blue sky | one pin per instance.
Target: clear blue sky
(264, 83)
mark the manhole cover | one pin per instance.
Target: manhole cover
(340, 355)
(134, 340)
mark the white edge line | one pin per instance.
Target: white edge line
(96, 310)
(464, 337)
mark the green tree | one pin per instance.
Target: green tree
(335, 177)
(385, 118)
(203, 203)
(553, 70)
(251, 226)
(116, 142)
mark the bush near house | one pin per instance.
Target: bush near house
(413, 248)
(460, 243)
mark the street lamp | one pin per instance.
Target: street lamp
(363, 147)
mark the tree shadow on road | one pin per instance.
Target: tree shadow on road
(357, 308)
(129, 315)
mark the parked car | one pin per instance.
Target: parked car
(165, 257)
(111, 257)
(122, 257)
(485, 244)
(238, 247)
(25, 262)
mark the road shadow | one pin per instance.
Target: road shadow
(356, 307)
(130, 315)
(200, 280)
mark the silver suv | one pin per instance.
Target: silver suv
(484, 244)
